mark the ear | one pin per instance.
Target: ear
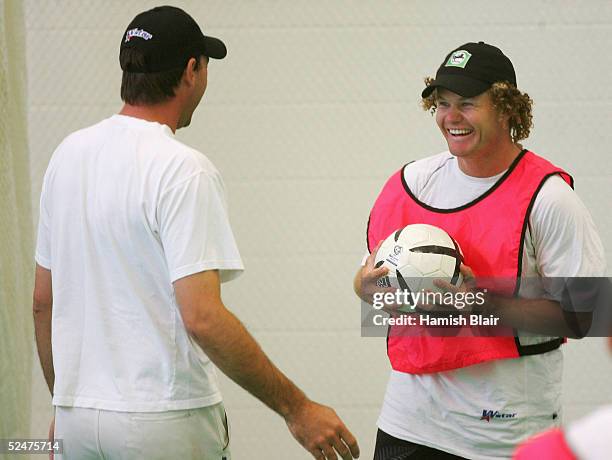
(505, 119)
(190, 72)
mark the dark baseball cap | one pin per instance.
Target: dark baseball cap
(167, 37)
(471, 69)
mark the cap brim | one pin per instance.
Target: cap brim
(215, 48)
(460, 84)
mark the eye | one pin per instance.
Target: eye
(443, 104)
(467, 104)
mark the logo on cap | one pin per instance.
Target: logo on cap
(137, 33)
(458, 59)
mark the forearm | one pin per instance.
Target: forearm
(232, 348)
(540, 316)
(42, 328)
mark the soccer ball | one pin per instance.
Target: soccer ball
(416, 255)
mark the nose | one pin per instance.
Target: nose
(453, 115)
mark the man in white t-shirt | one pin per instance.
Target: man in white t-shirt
(516, 216)
(133, 243)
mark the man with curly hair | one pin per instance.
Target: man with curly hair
(516, 218)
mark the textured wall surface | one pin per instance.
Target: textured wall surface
(314, 107)
(16, 251)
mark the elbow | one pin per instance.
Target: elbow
(204, 334)
(578, 324)
(200, 325)
(194, 326)
(575, 335)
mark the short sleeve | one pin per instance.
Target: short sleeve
(565, 238)
(43, 239)
(194, 228)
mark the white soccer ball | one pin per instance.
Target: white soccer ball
(416, 255)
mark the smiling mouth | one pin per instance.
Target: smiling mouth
(459, 132)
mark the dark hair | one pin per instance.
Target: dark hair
(507, 100)
(148, 88)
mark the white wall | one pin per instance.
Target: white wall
(314, 107)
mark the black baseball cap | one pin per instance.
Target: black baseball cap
(167, 37)
(471, 69)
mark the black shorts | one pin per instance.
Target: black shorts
(391, 448)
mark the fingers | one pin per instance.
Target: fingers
(329, 452)
(342, 449)
(366, 282)
(373, 273)
(446, 286)
(343, 442)
(466, 271)
(336, 445)
(468, 283)
(377, 273)
(322, 433)
(350, 441)
(469, 279)
(340, 441)
(372, 257)
(324, 451)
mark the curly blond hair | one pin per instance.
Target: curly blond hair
(507, 100)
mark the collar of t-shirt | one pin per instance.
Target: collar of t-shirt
(139, 123)
(449, 187)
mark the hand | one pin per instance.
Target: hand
(468, 285)
(51, 436)
(365, 281)
(321, 432)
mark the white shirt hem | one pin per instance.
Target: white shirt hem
(137, 406)
(233, 267)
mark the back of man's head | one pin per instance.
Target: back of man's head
(154, 51)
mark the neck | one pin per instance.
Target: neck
(165, 113)
(489, 164)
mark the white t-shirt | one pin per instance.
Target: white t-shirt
(520, 396)
(126, 210)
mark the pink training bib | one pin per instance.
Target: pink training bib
(550, 445)
(490, 231)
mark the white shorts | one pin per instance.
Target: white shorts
(200, 433)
